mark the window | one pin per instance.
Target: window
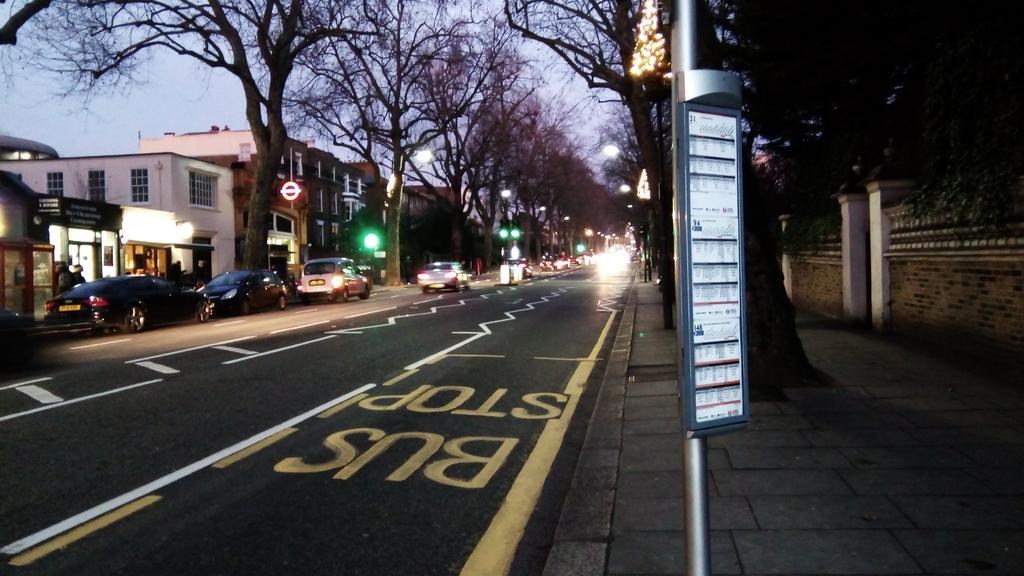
(140, 186)
(320, 200)
(320, 233)
(244, 152)
(282, 224)
(55, 183)
(334, 202)
(348, 211)
(97, 185)
(200, 189)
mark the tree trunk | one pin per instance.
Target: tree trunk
(456, 236)
(269, 140)
(392, 260)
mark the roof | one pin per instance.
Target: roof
(22, 144)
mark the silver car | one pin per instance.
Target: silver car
(332, 279)
(440, 275)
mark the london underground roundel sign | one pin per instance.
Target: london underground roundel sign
(290, 190)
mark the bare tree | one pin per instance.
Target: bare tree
(465, 92)
(19, 15)
(99, 43)
(366, 94)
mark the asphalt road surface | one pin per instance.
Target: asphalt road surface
(407, 434)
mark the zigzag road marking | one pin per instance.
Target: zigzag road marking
(393, 319)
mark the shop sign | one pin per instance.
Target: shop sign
(79, 213)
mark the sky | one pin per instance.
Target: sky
(174, 95)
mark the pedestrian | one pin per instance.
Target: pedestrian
(76, 275)
(201, 274)
(65, 279)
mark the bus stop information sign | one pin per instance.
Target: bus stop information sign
(712, 311)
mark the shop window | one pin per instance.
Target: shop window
(200, 189)
(55, 183)
(140, 186)
(97, 185)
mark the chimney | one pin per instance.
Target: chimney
(214, 129)
(226, 129)
(168, 133)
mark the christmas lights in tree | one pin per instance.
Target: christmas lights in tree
(649, 52)
(643, 189)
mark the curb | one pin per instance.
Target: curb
(581, 539)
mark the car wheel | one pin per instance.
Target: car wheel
(425, 290)
(203, 312)
(244, 307)
(343, 296)
(365, 293)
(134, 319)
(455, 287)
(282, 302)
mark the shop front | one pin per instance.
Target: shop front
(159, 243)
(83, 233)
(26, 260)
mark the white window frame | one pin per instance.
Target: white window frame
(200, 185)
(139, 189)
(53, 178)
(96, 185)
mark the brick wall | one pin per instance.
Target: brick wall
(818, 284)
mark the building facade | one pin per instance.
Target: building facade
(162, 214)
(298, 229)
(26, 259)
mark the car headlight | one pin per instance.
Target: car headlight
(229, 294)
(337, 281)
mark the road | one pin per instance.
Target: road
(406, 434)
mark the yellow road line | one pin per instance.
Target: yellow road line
(228, 461)
(400, 377)
(335, 409)
(567, 359)
(493, 554)
(30, 556)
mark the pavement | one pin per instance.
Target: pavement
(907, 461)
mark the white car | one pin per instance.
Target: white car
(333, 279)
(440, 275)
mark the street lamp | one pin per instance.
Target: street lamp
(624, 188)
(610, 150)
(424, 156)
(506, 194)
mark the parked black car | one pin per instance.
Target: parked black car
(246, 290)
(130, 303)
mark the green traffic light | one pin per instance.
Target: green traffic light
(371, 241)
(516, 233)
(503, 233)
(580, 248)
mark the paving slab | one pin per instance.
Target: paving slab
(779, 482)
(779, 421)
(919, 482)
(651, 453)
(591, 478)
(839, 421)
(826, 513)
(670, 425)
(576, 559)
(786, 458)
(906, 457)
(759, 438)
(970, 436)
(648, 407)
(663, 553)
(586, 515)
(659, 484)
(966, 551)
(959, 418)
(668, 514)
(1006, 456)
(1001, 480)
(598, 458)
(854, 437)
(656, 388)
(822, 552)
(965, 512)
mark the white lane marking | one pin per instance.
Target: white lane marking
(235, 350)
(107, 343)
(33, 381)
(183, 350)
(370, 312)
(76, 400)
(427, 300)
(275, 351)
(157, 367)
(391, 319)
(299, 327)
(518, 301)
(101, 509)
(219, 324)
(484, 331)
(396, 296)
(306, 311)
(40, 395)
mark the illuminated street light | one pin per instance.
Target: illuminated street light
(629, 205)
(566, 218)
(624, 188)
(425, 156)
(610, 150)
(588, 232)
(506, 194)
(542, 209)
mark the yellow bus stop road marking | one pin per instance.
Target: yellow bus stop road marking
(241, 454)
(30, 556)
(493, 554)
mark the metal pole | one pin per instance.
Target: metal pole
(695, 464)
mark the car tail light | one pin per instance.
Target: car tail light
(337, 281)
(98, 301)
(50, 306)
(423, 276)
